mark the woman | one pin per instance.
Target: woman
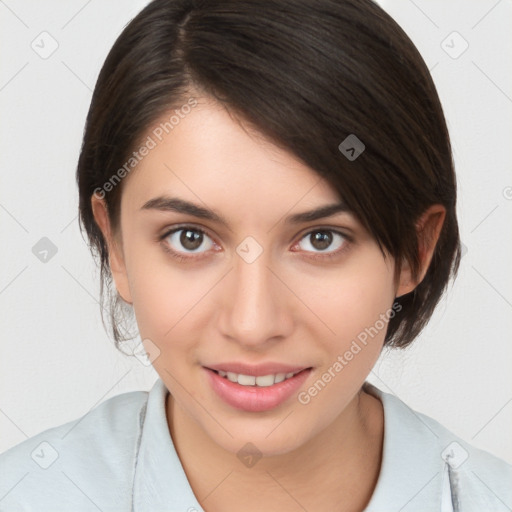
(270, 187)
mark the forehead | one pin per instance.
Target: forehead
(210, 154)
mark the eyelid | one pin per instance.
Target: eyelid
(178, 227)
(344, 232)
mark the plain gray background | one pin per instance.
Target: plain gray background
(57, 362)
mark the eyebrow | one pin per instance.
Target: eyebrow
(174, 204)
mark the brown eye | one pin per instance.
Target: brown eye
(191, 240)
(188, 240)
(320, 240)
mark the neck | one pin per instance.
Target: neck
(341, 464)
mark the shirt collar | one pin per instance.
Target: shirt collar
(160, 482)
(411, 470)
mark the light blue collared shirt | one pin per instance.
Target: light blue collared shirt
(120, 457)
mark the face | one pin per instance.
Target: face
(249, 289)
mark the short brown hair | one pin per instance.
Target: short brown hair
(307, 74)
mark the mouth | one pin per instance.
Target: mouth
(261, 381)
(255, 393)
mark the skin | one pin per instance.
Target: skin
(284, 307)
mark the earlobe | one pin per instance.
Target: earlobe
(115, 256)
(428, 229)
(405, 282)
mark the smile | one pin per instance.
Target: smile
(251, 380)
(255, 393)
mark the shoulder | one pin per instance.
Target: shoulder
(469, 478)
(77, 462)
(479, 480)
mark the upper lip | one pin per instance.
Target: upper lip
(256, 370)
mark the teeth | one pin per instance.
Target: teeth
(264, 380)
(251, 380)
(246, 380)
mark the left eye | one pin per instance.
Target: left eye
(321, 239)
(190, 240)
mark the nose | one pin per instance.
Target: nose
(256, 306)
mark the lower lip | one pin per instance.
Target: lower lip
(255, 398)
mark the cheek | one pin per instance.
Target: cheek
(165, 297)
(350, 299)
(353, 305)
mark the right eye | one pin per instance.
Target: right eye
(186, 240)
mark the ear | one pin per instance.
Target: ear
(428, 229)
(115, 253)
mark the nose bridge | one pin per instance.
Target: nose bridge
(253, 309)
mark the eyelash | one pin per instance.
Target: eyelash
(322, 256)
